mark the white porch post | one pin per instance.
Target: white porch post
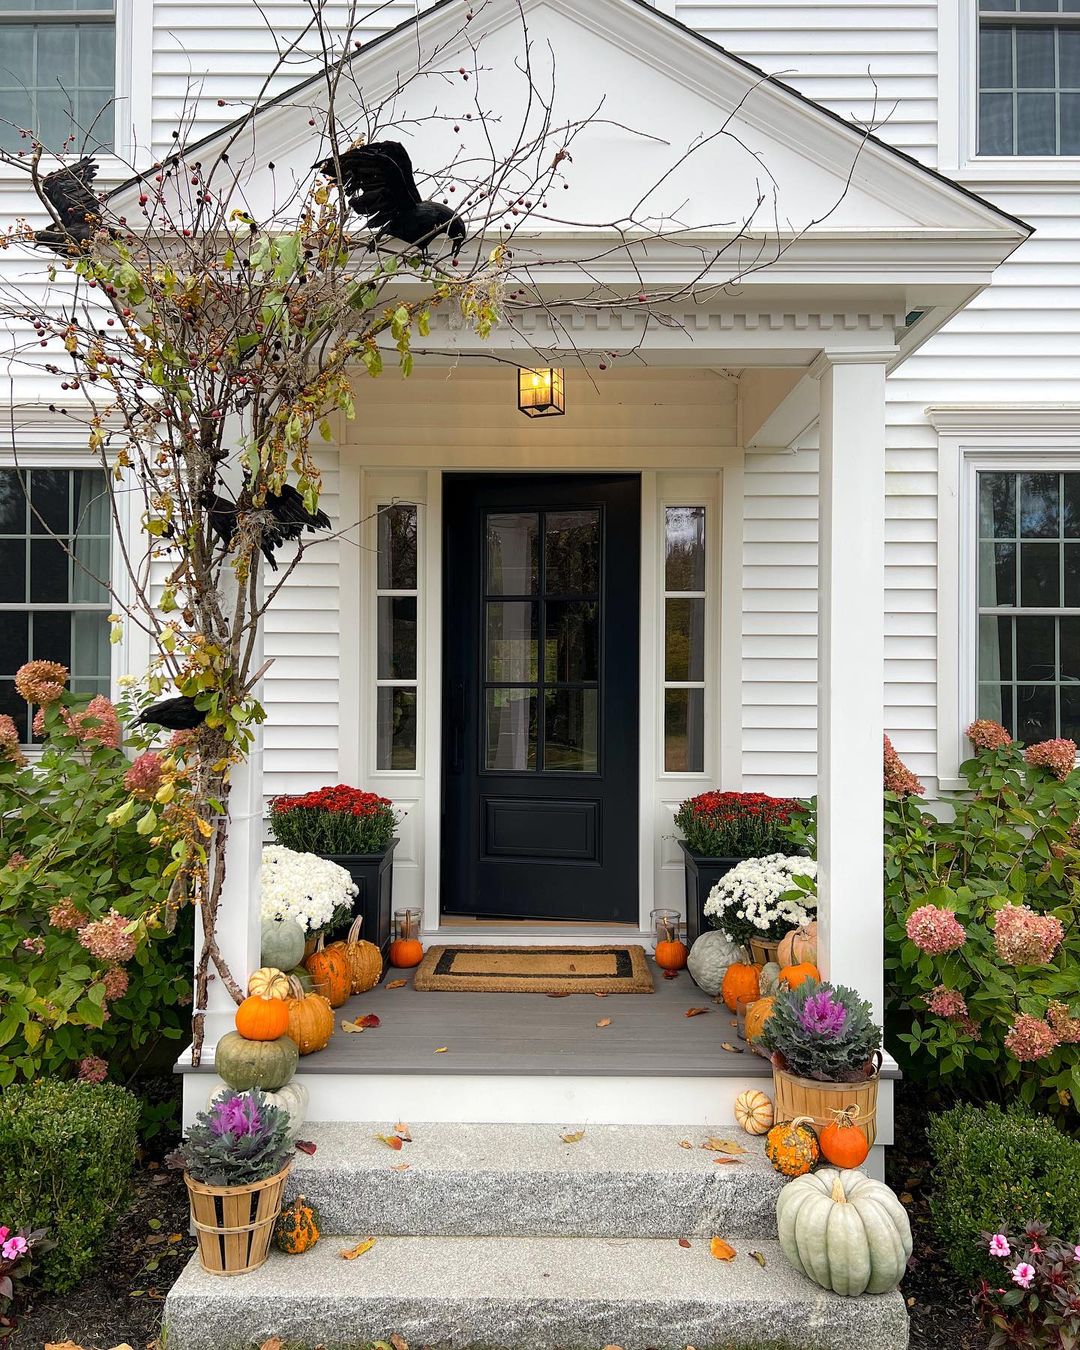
(851, 669)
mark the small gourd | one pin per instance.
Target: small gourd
(282, 943)
(268, 982)
(364, 958)
(792, 1146)
(754, 1111)
(709, 959)
(793, 976)
(297, 1227)
(311, 1019)
(844, 1231)
(799, 945)
(330, 973)
(769, 979)
(843, 1143)
(740, 981)
(757, 1015)
(245, 1064)
(262, 1019)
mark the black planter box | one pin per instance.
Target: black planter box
(373, 874)
(702, 874)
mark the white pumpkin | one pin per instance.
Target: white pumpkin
(754, 1111)
(282, 943)
(844, 1231)
(292, 1099)
(710, 957)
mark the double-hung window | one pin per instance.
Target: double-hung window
(1029, 77)
(58, 73)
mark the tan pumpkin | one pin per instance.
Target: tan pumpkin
(268, 982)
(329, 971)
(364, 958)
(740, 981)
(799, 945)
(754, 1111)
(757, 1015)
(793, 976)
(311, 1019)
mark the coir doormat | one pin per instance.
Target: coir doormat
(535, 970)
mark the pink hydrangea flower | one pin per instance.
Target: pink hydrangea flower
(969, 1027)
(947, 1003)
(108, 939)
(935, 930)
(41, 682)
(1023, 1275)
(898, 777)
(1058, 756)
(115, 982)
(987, 735)
(93, 1070)
(65, 915)
(34, 944)
(144, 777)
(1066, 1027)
(999, 1245)
(14, 1247)
(1024, 938)
(103, 730)
(1030, 1038)
(9, 741)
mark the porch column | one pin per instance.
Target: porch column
(851, 669)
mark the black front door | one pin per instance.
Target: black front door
(540, 711)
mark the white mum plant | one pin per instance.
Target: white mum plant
(761, 898)
(303, 886)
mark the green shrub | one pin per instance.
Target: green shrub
(66, 1154)
(994, 1171)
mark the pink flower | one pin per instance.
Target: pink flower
(1023, 1275)
(898, 777)
(1066, 1027)
(1058, 756)
(1030, 1038)
(999, 1245)
(14, 1247)
(108, 939)
(987, 735)
(4, 1234)
(1024, 938)
(96, 724)
(93, 1070)
(65, 915)
(41, 682)
(34, 944)
(947, 1003)
(116, 983)
(935, 930)
(9, 741)
(1076, 1253)
(144, 777)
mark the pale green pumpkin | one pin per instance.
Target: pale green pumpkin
(292, 1099)
(282, 943)
(263, 1064)
(710, 957)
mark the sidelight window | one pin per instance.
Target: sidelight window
(397, 641)
(685, 597)
(1029, 77)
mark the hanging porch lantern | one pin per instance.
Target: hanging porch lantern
(541, 392)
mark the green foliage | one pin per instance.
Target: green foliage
(61, 854)
(240, 1139)
(823, 1031)
(1011, 840)
(66, 1154)
(993, 1171)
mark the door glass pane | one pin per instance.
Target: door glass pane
(684, 730)
(511, 641)
(510, 729)
(572, 641)
(397, 637)
(684, 648)
(685, 548)
(572, 552)
(396, 729)
(512, 553)
(397, 548)
(570, 731)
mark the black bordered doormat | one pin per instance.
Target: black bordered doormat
(535, 970)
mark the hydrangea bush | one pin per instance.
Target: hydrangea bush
(983, 944)
(763, 897)
(303, 887)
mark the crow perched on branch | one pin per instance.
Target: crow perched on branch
(378, 182)
(70, 193)
(288, 518)
(175, 714)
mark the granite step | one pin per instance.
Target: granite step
(525, 1181)
(527, 1294)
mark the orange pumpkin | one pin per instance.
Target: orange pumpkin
(364, 958)
(792, 1147)
(740, 981)
(262, 1019)
(793, 976)
(842, 1141)
(799, 945)
(671, 955)
(756, 1016)
(406, 953)
(330, 973)
(311, 1019)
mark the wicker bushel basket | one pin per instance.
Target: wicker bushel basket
(235, 1223)
(764, 952)
(820, 1101)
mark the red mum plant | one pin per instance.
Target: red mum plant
(335, 821)
(738, 824)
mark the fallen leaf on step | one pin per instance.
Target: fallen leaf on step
(759, 1257)
(723, 1251)
(402, 1132)
(729, 1161)
(574, 1138)
(715, 1145)
(612, 1347)
(63, 1345)
(351, 1253)
(305, 1146)
(442, 1050)
(369, 1021)
(597, 994)
(695, 1012)
(684, 1242)
(563, 994)
(671, 974)
(391, 1141)
(351, 1029)
(604, 1022)
(731, 1049)
(685, 1143)
(397, 984)
(399, 1342)
(274, 1343)
(400, 1167)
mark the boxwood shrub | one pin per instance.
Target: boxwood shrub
(67, 1150)
(995, 1170)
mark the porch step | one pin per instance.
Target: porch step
(527, 1294)
(525, 1181)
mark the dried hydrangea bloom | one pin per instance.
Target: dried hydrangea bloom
(144, 777)
(1058, 756)
(1024, 938)
(985, 734)
(93, 1070)
(898, 777)
(96, 724)
(115, 982)
(1066, 1027)
(948, 1003)
(107, 939)
(1030, 1038)
(65, 915)
(935, 930)
(41, 682)
(10, 751)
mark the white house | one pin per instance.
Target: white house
(871, 448)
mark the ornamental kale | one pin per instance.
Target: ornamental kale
(818, 1031)
(241, 1139)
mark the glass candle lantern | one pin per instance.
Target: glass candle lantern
(667, 925)
(406, 949)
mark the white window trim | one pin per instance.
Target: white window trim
(1020, 437)
(958, 94)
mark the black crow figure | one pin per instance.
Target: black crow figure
(378, 181)
(175, 714)
(288, 518)
(69, 191)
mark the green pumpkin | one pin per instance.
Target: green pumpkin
(769, 979)
(710, 957)
(263, 1064)
(282, 943)
(297, 1227)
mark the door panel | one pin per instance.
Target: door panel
(540, 715)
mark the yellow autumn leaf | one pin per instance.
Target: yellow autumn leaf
(723, 1251)
(714, 1145)
(351, 1253)
(205, 828)
(574, 1138)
